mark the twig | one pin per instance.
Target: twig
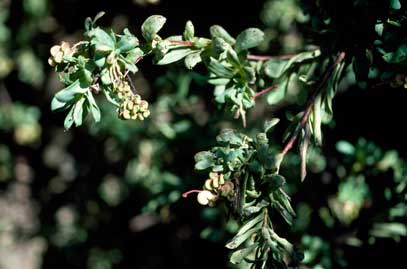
(310, 104)
(266, 90)
(184, 43)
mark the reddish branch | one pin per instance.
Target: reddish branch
(266, 90)
(310, 104)
(185, 194)
(184, 43)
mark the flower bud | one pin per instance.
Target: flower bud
(205, 197)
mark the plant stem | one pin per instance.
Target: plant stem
(310, 104)
(266, 90)
(184, 43)
(185, 194)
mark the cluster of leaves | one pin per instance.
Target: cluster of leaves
(250, 170)
(243, 171)
(362, 161)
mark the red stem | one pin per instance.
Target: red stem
(310, 104)
(184, 43)
(266, 90)
(185, 194)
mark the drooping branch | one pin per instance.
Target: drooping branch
(310, 104)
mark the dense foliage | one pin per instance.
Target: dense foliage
(252, 167)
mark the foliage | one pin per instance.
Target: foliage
(250, 174)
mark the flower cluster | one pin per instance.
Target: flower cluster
(214, 188)
(58, 52)
(131, 106)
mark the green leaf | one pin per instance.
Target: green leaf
(99, 59)
(89, 23)
(69, 119)
(151, 26)
(395, 4)
(248, 39)
(220, 32)
(193, 59)
(94, 109)
(230, 136)
(174, 56)
(204, 160)
(236, 241)
(238, 255)
(102, 40)
(219, 69)
(269, 124)
(70, 93)
(275, 68)
(79, 112)
(278, 94)
(57, 105)
(127, 42)
(189, 31)
(250, 224)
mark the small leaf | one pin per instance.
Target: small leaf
(193, 59)
(395, 4)
(94, 109)
(70, 93)
(151, 26)
(204, 160)
(102, 40)
(220, 32)
(250, 224)
(127, 42)
(69, 119)
(174, 56)
(269, 124)
(236, 241)
(189, 31)
(78, 112)
(248, 39)
(57, 105)
(238, 255)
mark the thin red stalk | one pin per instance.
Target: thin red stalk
(184, 43)
(266, 90)
(185, 194)
(310, 104)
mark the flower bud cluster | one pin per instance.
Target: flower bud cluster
(215, 187)
(58, 52)
(132, 106)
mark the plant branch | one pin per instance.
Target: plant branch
(266, 90)
(310, 104)
(184, 43)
